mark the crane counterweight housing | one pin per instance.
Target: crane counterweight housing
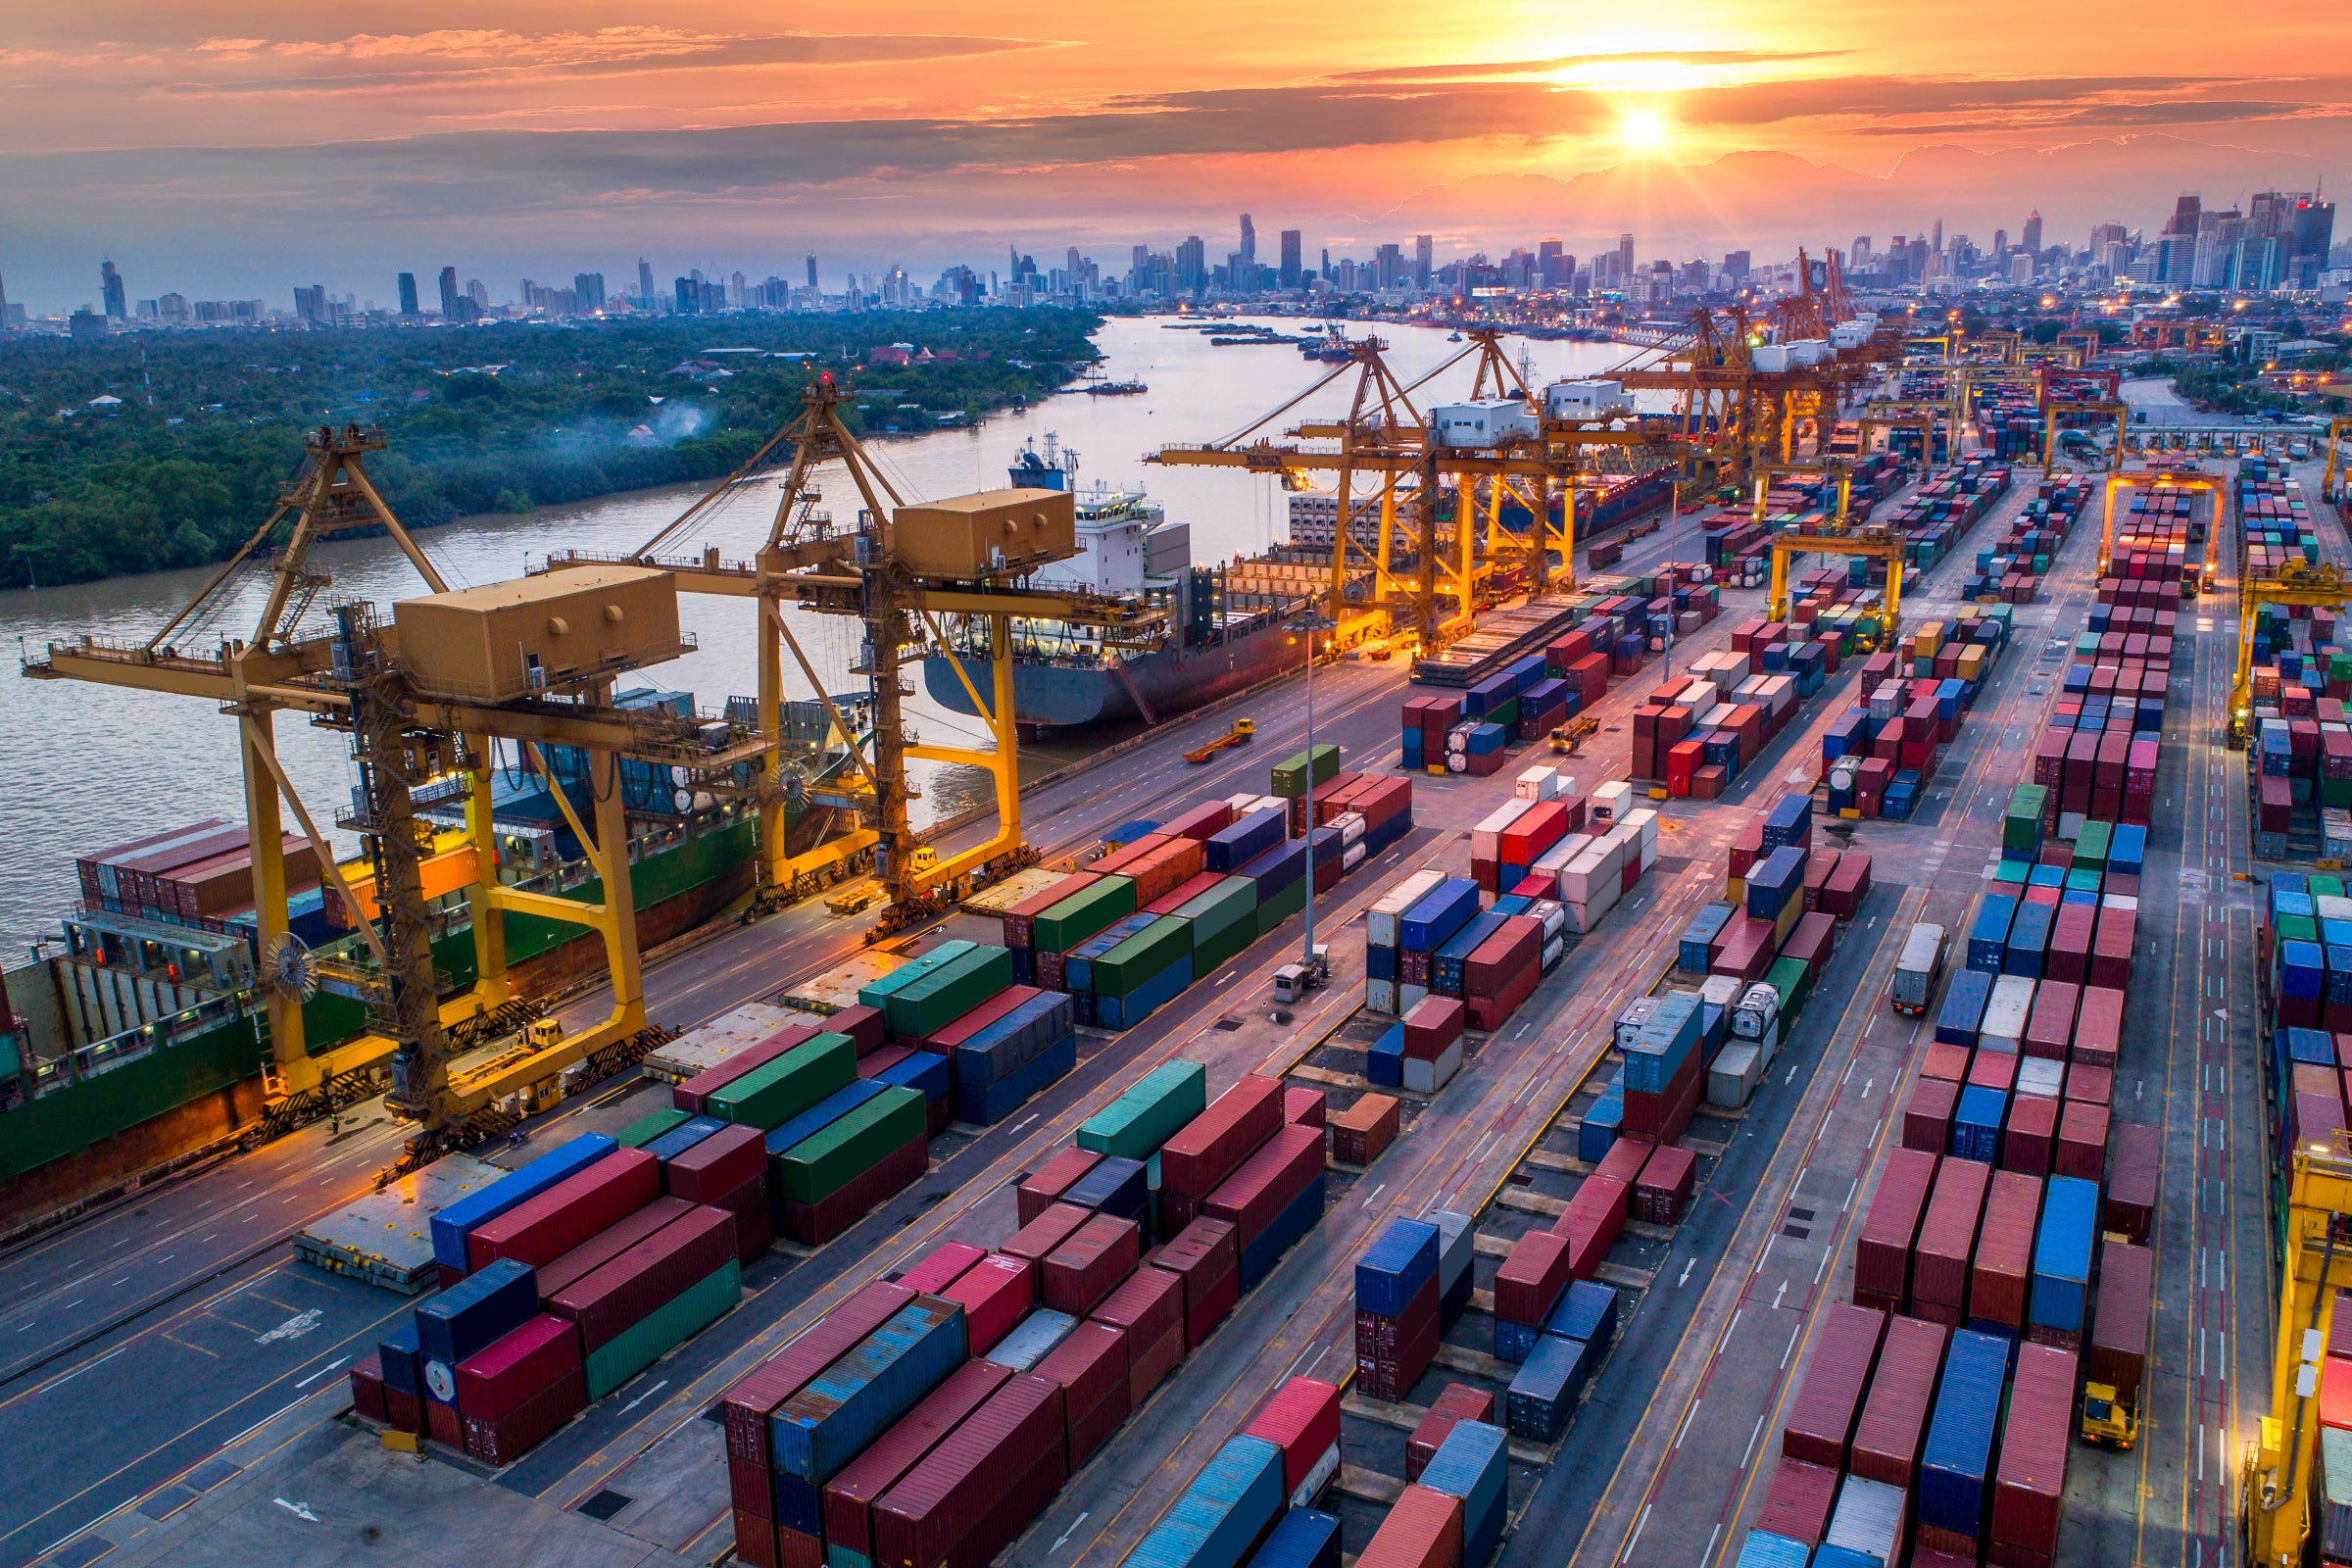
(507, 640)
(991, 533)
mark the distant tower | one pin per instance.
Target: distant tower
(407, 293)
(110, 282)
(1936, 244)
(450, 310)
(1425, 255)
(812, 271)
(1290, 258)
(645, 281)
(2029, 239)
(1248, 239)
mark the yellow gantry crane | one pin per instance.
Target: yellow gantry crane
(2340, 425)
(2189, 479)
(2298, 584)
(2276, 1484)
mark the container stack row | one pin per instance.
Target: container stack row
(2010, 570)
(1697, 732)
(927, 1420)
(1910, 704)
(1410, 1283)
(2273, 519)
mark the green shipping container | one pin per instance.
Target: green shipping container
(2091, 846)
(664, 1328)
(877, 995)
(830, 1158)
(1506, 711)
(1280, 908)
(1135, 1125)
(1291, 773)
(773, 1095)
(1143, 955)
(2297, 928)
(645, 1129)
(948, 992)
(1226, 946)
(1082, 914)
(2021, 824)
(2326, 887)
(1229, 904)
(1792, 978)
(2082, 879)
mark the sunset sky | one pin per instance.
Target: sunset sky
(238, 148)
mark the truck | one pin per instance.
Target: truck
(2116, 1366)
(1919, 968)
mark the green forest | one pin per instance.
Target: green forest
(155, 450)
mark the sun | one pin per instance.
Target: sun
(1644, 131)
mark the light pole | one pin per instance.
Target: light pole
(1314, 624)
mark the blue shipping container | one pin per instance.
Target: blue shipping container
(1302, 1537)
(1977, 1124)
(1691, 953)
(1544, 1391)
(823, 1114)
(859, 1397)
(2070, 1213)
(1003, 1047)
(1597, 1133)
(1662, 1044)
(1449, 965)
(1032, 1339)
(451, 1225)
(1125, 1013)
(1988, 934)
(1764, 1549)
(1473, 1464)
(1277, 868)
(1115, 1185)
(1964, 999)
(984, 1105)
(924, 1071)
(402, 1357)
(1438, 915)
(1230, 849)
(1955, 1466)
(1587, 1312)
(1401, 1259)
(471, 1316)
(1384, 1059)
(684, 1136)
(1222, 1515)
(2029, 938)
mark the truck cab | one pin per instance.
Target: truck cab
(2107, 1419)
(1919, 968)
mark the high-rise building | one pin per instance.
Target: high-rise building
(109, 283)
(1861, 250)
(1425, 255)
(1935, 239)
(2000, 241)
(310, 303)
(812, 271)
(407, 293)
(2313, 227)
(1625, 256)
(1388, 267)
(450, 310)
(1249, 240)
(1192, 265)
(2029, 237)
(1549, 253)
(1736, 265)
(479, 293)
(1289, 275)
(4, 321)
(644, 281)
(588, 292)
(2185, 213)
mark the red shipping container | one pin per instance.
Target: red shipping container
(1604, 1201)
(443, 1424)
(368, 1387)
(2002, 1273)
(1213, 1145)
(1948, 1235)
(1458, 1402)
(1927, 1115)
(2099, 1026)
(1145, 1305)
(1204, 821)
(2134, 1158)
(1020, 920)
(2035, 1440)
(2094, 1086)
(1848, 886)
(849, 1498)
(1184, 893)
(2068, 954)
(1091, 1365)
(1664, 1187)
(958, 1030)
(1301, 1107)
(1037, 1239)
(542, 1229)
(755, 1394)
(719, 1165)
(1086, 1268)
(1490, 1012)
(1206, 1256)
(876, 1063)
(1423, 1530)
(500, 1441)
(499, 1379)
(648, 1276)
(813, 1224)
(1902, 1394)
(1944, 1061)
(1993, 1069)
(1882, 1250)
(691, 1095)
(968, 1499)
(1391, 1353)
(1531, 1278)
(1516, 945)
(1268, 1181)
(995, 1293)
(1797, 1505)
(863, 1027)
(1822, 1417)
(1044, 1188)
(2051, 1023)
(945, 1264)
(2031, 1130)
(2111, 949)
(1813, 941)
(404, 1412)
(1433, 1024)
(606, 1245)
(1302, 1420)
(1149, 1366)
(2081, 1141)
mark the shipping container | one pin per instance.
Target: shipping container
(1829, 1397)
(1955, 1465)
(1222, 1516)
(849, 1498)
(2062, 1252)
(2035, 1440)
(1894, 1416)
(844, 1409)
(967, 1499)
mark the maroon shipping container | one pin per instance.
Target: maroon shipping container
(1495, 969)
(1302, 1420)
(863, 1025)
(1744, 950)
(757, 1394)
(2035, 1440)
(719, 1164)
(367, 1384)
(1848, 886)
(2117, 1351)
(1883, 1251)
(498, 1379)
(850, 1496)
(544, 1228)
(502, 1440)
(647, 1276)
(2051, 1023)
(2111, 949)
(1091, 1365)
(2099, 1026)
(1624, 1161)
(1391, 1353)
(1148, 1308)
(1814, 940)
(1083, 1270)
(1797, 1505)
(995, 1293)
(1206, 1256)
(2031, 1130)
(1038, 1239)
(2002, 1274)
(1830, 1396)
(1531, 1278)
(1148, 1366)
(1301, 1107)
(1948, 1235)
(1423, 1530)
(1902, 1394)
(1944, 1061)
(606, 1245)
(1210, 1147)
(942, 1266)
(1458, 1402)
(2134, 1156)
(2082, 1141)
(2068, 954)
(1664, 1185)
(968, 1498)
(1268, 1181)
(1433, 1024)
(2093, 1086)
(754, 1217)
(695, 1093)
(1042, 1189)
(814, 1224)
(1927, 1115)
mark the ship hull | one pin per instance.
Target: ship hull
(1061, 696)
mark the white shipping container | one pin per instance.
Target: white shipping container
(1631, 1017)
(1380, 996)
(2005, 1013)
(1610, 801)
(1483, 423)
(2119, 900)
(1758, 1010)
(1410, 997)
(2328, 906)
(1351, 858)
(1486, 839)
(1554, 949)
(1715, 718)
(1769, 1046)
(1382, 919)
(1720, 990)
(1350, 825)
(1644, 820)
(1731, 1076)
(1428, 1077)
(1533, 782)
(1869, 1519)
(1547, 914)
(1771, 358)
(2040, 1075)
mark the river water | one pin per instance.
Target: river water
(84, 768)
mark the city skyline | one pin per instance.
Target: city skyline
(526, 140)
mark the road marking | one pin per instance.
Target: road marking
(1686, 1268)
(1067, 1534)
(1686, 1428)
(1023, 1122)
(1376, 1192)
(1780, 1296)
(642, 1398)
(1851, 1188)
(322, 1371)
(1792, 1351)
(1636, 1534)
(300, 1510)
(1749, 1452)
(293, 1328)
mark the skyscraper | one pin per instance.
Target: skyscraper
(1935, 241)
(450, 309)
(1549, 255)
(1288, 277)
(812, 271)
(645, 281)
(2029, 239)
(1249, 240)
(1192, 265)
(1625, 257)
(407, 293)
(588, 292)
(109, 283)
(2185, 213)
(1425, 256)
(310, 303)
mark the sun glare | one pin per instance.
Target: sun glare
(1643, 131)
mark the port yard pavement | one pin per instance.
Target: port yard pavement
(1699, 1455)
